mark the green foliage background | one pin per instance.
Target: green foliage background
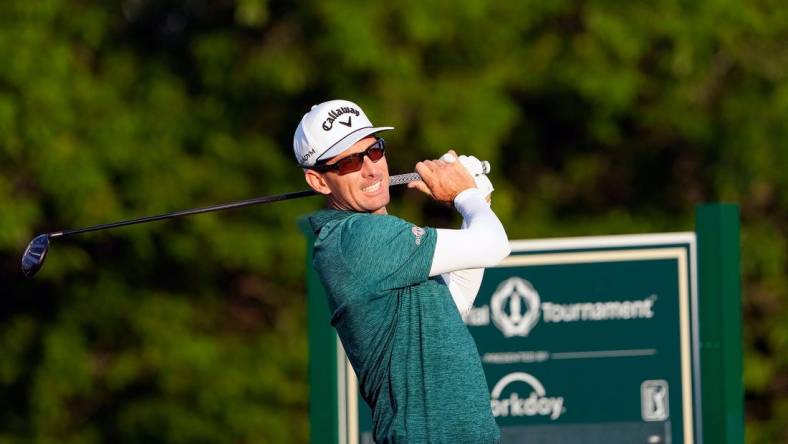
(598, 117)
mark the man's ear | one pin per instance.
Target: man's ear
(317, 182)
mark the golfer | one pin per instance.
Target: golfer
(396, 291)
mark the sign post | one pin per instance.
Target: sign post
(720, 323)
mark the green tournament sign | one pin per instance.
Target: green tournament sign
(613, 339)
(593, 337)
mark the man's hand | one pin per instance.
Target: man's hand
(441, 180)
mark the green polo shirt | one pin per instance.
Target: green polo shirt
(417, 365)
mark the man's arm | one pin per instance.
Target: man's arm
(461, 255)
(483, 243)
(464, 284)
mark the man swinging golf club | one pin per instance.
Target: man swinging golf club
(396, 290)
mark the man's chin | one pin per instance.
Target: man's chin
(378, 206)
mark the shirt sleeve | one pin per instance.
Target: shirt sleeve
(481, 243)
(463, 284)
(385, 252)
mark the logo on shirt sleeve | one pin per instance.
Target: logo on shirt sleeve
(419, 233)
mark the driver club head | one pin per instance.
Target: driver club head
(35, 253)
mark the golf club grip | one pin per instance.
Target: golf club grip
(393, 180)
(400, 179)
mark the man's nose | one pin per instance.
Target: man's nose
(369, 167)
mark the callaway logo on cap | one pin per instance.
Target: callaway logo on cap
(330, 128)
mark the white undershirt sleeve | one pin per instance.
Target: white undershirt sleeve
(464, 286)
(461, 255)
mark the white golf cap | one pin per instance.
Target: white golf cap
(330, 128)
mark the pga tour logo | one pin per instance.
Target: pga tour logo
(536, 403)
(654, 404)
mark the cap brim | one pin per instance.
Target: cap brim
(350, 139)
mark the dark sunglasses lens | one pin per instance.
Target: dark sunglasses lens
(375, 153)
(350, 164)
(354, 162)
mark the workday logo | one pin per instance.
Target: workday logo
(536, 404)
(515, 307)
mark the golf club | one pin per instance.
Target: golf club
(36, 251)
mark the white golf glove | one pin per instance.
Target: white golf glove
(474, 166)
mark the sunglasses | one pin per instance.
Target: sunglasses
(354, 162)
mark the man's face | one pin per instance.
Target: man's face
(366, 190)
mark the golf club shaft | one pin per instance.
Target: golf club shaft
(393, 180)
